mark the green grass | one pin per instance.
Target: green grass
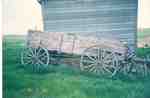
(62, 81)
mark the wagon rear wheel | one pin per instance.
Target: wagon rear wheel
(99, 61)
(133, 68)
(148, 63)
(37, 58)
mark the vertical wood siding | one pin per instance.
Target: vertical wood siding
(117, 18)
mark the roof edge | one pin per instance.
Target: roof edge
(39, 1)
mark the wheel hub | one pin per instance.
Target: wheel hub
(35, 58)
(99, 62)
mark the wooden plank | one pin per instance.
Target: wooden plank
(70, 43)
(92, 17)
(95, 7)
(75, 15)
(78, 3)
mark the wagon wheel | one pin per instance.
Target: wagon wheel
(126, 67)
(37, 58)
(148, 63)
(99, 61)
(133, 68)
(138, 69)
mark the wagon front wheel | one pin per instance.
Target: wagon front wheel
(37, 58)
(99, 61)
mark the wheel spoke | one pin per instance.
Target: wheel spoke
(102, 53)
(95, 56)
(90, 57)
(98, 53)
(28, 61)
(95, 70)
(88, 61)
(108, 56)
(88, 66)
(43, 59)
(40, 62)
(27, 56)
(92, 68)
(107, 70)
(28, 53)
(43, 54)
(35, 53)
(107, 61)
(39, 50)
(31, 51)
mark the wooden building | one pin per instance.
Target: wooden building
(115, 18)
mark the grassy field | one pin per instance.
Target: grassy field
(63, 81)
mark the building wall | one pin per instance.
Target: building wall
(116, 18)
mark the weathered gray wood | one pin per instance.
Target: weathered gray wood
(70, 42)
(92, 17)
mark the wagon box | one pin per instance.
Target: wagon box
(70, 42)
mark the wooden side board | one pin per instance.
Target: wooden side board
(71, 43)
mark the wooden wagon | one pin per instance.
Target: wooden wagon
(96, 55)
(102, 56)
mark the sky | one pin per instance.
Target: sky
(20, 15)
